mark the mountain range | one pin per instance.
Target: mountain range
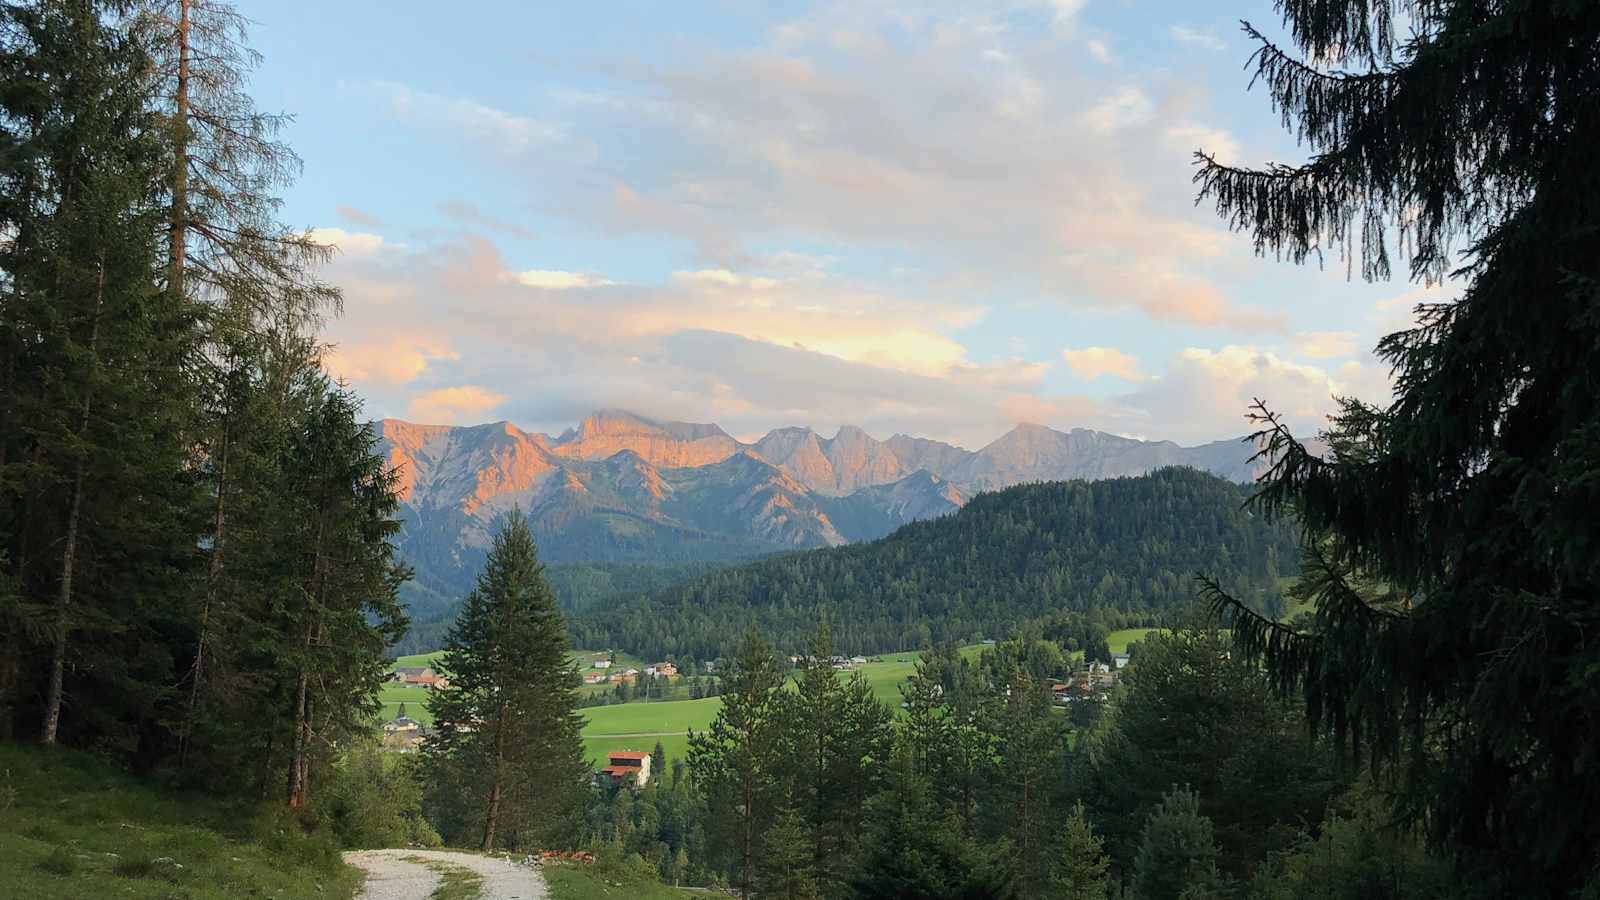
(624, 488)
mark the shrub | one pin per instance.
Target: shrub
(58, 861)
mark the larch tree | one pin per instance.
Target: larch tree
(1465, 147)
(507, 754)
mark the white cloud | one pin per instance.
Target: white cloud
(725, 278)
(1203, 388)
(349, 243)
(1125, 107)
(557, 280)
(1204, 38)
(1093, 362)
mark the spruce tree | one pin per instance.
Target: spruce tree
(96, 502)
(507, 745)
(1470, 497)
(737, 763)
(1177, 854)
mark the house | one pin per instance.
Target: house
(1121, 660)
(602, 664)
(663, 670)
(858, 660)
(626, 676)
(709, 666)
(419, 676)
(404, 734)
(596, 678)
(626, 767)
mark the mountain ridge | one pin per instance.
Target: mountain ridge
(621, 487)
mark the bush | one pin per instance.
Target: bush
(374, 799)
(299, 837)
(58, 861)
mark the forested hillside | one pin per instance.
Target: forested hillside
(1123, 546)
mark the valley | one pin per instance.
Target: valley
(622, 488)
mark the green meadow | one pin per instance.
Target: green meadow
(639, 725)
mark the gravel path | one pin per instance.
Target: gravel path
(390, 876)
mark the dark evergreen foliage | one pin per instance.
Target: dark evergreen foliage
(1468, 501)
(1123, 548)
(506, 765)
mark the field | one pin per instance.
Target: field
(639, 725)
(72, 827)
(1119, 640)
(416, 698)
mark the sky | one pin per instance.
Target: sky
(937, 218)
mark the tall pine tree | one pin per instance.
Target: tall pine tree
(1470, 498)
(507, 763)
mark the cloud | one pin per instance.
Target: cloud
(502, 132)
(349, 243)
(387, 358)
(1204, 38)
(465, 404)
(1327, 344)
(1203, 387)
(357, 217)
(724, 278)
(961, 140)
(557, 280)
(1093, 362)
(470, 214)
(1126, 107)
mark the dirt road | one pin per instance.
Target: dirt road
(405, 874)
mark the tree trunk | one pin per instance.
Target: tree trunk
(213, 576)
(69, 553)
(180, 174)
(298, 786)
(492, 816)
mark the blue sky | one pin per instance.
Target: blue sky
(941, 218)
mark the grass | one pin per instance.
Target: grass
(603, 881)
(639, 725)
(1119, 640)
(669, 721)
(455, 882)
(76, 827)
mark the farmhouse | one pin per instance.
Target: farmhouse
(662, 670)
(626, 767)
(419, 676)
(602, 664)
(596, 678)
(403, 734)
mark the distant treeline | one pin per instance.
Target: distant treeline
(1121, 552)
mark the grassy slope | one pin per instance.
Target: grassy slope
(1119, 640)
(70, 827)
(600, 882)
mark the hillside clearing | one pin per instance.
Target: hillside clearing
(73, 827)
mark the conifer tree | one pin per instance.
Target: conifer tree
(507, 744)
(1177, 854)
(95, 500)
(1470, 497)
(737, 763)
(1079, 870)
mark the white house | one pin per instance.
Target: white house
(602, 664)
